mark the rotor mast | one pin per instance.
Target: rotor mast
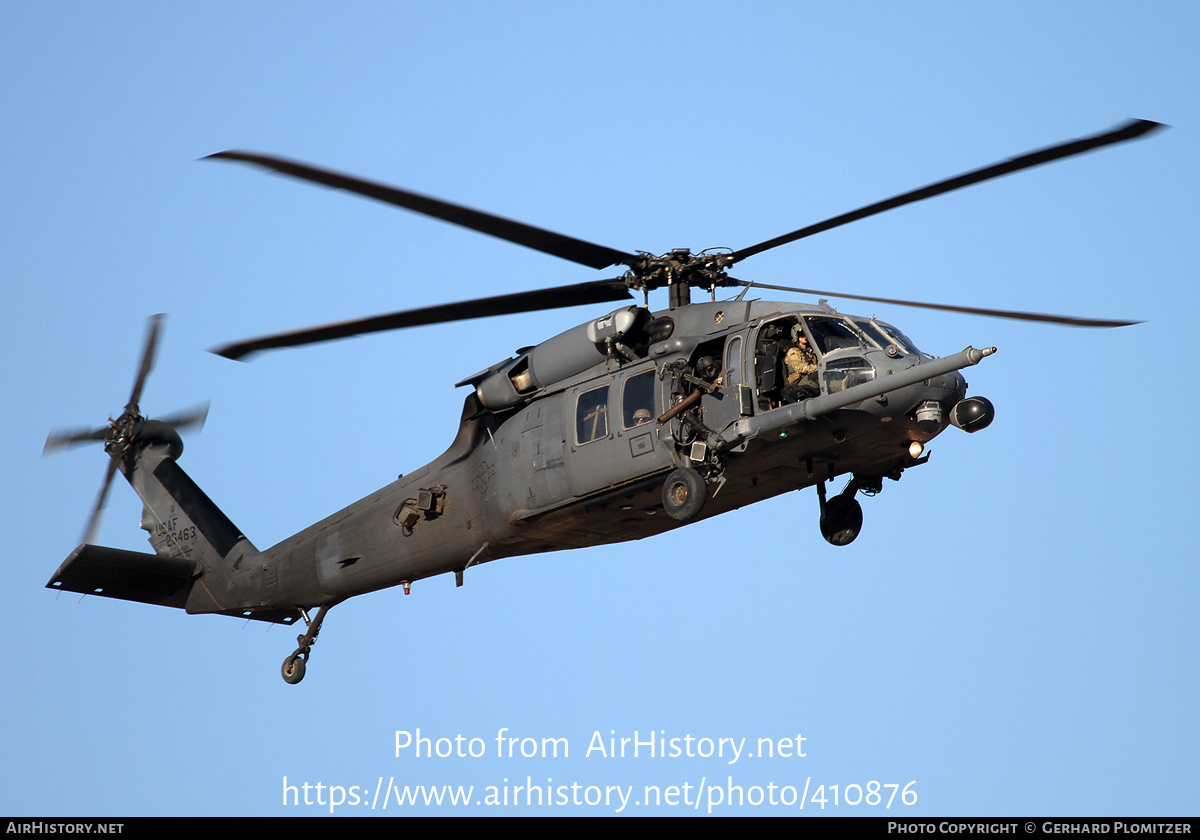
(679, 270)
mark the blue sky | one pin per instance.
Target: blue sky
(1015, 630)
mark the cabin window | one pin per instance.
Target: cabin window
(637, 400)
(591, 415)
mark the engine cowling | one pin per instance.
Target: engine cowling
(564, 355)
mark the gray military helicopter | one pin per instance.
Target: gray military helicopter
(623, 427)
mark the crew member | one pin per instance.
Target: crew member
(801, 364)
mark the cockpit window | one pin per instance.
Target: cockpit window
(832, 333)
(874, 333)
(899, 337)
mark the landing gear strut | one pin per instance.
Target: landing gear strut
(841, 516)
(293, 666)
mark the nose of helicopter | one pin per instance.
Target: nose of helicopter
(939, 395)
(949, 391)
(952, 384)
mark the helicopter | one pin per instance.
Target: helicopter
(620, 428)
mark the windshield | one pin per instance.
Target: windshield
(832, 333)
(899, 337)
(874, 333)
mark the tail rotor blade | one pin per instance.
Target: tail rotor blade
(149, 350)
(120, 436)
(60, 439)
(97, 516)
(189, 418)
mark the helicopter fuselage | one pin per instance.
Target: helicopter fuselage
(617, 429)
(582, 461)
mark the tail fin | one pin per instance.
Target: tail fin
(201, 561)
(179, 517)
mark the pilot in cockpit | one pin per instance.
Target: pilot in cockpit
(801, 364)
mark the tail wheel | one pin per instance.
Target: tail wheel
(293, 666)
(684, 494)
(293, 669)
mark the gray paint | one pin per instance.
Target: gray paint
(520, 481)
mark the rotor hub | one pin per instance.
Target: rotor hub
(679, 270)
(123, 430)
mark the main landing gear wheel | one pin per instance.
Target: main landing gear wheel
(684, 494)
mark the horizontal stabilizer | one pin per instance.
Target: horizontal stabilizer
(128, 575)
(275, 615)
(148, 578)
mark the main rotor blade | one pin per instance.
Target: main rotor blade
(149, 350)
(548, 242)
(1126, 131)
(596, 291)
(968, 310)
